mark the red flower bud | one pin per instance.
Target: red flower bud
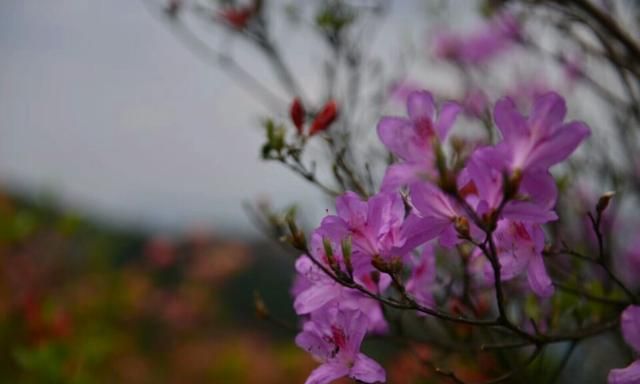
(237, 18)
(324, 119)
(297, 114)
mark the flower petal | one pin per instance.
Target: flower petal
(558, 146)
(417, 231)
(541, 188)
(398, 175)
(314, 344)
(447, 116)
(539, 279)
(628, 375)
(367, 370)
(420, 106)
(385, 211)
(326, 373)
(509, 120)
(395, 133)
(528, 212)
(315, 297)
(548, 112)
(355, 325)
(352, 209)
(430, 201)
(630, 324)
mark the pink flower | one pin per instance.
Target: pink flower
(630, 325)
(434, 216)
(333, 337)
(374, 226)
(481, 45)
(536, 193)
(539, 141)
(315, 291)
(423, 277)
(411, 139)
(519, 246)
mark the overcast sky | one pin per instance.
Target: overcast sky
(101, 107)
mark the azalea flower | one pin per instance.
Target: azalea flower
(411, 139)
(539, 141)
(315, 291)
(519, 247)
(630, 325)
(533, 200)
(374, 226)
(423, 277)
(435, 215)
(481, 45)
(334, 337)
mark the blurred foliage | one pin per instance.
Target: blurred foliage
(84, 303)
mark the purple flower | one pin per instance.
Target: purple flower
(333, 337)
(536, 194)
(482, 45)
(537, 142)
(411, 139)
(315, 291)
(423, 277)
(434, 215)
(519, 248)
(518, 237)
(630, 324)
(374, 226)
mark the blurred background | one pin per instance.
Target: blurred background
(125, 252)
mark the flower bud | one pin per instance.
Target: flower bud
(604, 201)
(297, 238)
(328, 251)
(346, 254)
(325, 118)
(261, 308)
(236, 17)
(297, 112)
(275, 137)
(441, 161)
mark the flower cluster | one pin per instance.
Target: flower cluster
(496, 199)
